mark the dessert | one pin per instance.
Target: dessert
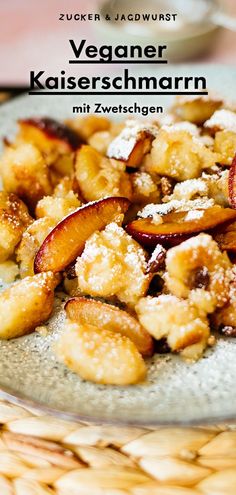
(135, 222)
(101, 356)
(26, 304)
(197, 109)
(173, 222)
(113, 264)
(99, 176)
(67, 240)
(184, 326)
(24, 172)
(109, 317)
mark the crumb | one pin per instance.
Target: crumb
(211, 341)
(42, 330)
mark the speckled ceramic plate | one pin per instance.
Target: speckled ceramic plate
(174, 392)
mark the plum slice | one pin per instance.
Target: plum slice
(132, 144)
(105, 316)
(226, 238)
(66, 241)
(176, 226)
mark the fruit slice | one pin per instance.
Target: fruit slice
(132, 144)
(157, 260)
(232, 183)
(44, 131)
(106, 317)
(100, 355)
(176, 226)
(226, 238)
(66, 241)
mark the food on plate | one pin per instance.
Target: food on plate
(221, 120)
(179, 155)
(30, 243)
(178, 320)
(67, 240)
(222, 125)
(226, 238)
(86, 127)
(108, 317)
(24, 172)
(49, 135)
(196, 109)
(224, 319)
(14, 219)
(156, 225)
(132, 144)
(101, 356)
(133, 225)
(26, 304)
(57, 207)
(112, 264)
(99, 176)
(199, 270)
(55, 140)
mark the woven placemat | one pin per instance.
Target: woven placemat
(43, 455)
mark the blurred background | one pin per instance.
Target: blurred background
(32, 37)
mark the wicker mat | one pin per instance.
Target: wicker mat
(42, 455)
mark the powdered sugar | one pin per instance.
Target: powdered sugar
(193, 215)
(175, 205)
(222, 120)
(182, 126)
(122, 146)
(187, 189)
(144, 183)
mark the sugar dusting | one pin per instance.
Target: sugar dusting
(162, 209)
(193, 215)
(187, 189)
(222, 120)
(182, 126)
(122, 146)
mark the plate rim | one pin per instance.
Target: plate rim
(18, 400)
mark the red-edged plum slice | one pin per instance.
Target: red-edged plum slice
(157, 260)
(66, 241)
(132, 144)
(108, 317)
(176, 227)
(226, 238)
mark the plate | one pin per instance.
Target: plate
(175, 392)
